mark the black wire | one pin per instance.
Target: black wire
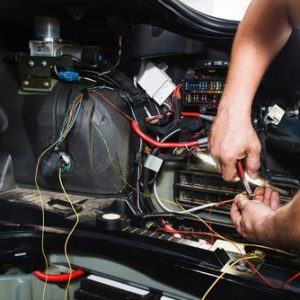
(95, 76)
(174, 124)
(148, 173)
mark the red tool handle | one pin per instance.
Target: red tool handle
(240, 169)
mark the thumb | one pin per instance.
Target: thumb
(240, 201)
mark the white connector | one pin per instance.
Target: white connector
(157, 84)
(274, 115)
(153, 163)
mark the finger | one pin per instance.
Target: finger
(217, 162)
(236, 216)
(241, 201)
(259, 194)
(253, 163)
(267, 196)
(275, 200)
(229, 172)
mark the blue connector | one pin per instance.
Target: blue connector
(68, 76)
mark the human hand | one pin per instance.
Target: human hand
(251, 217)
(232, 138)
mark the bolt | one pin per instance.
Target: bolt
(43, 63)
(241, 267)
(46, 84)
(25, 82)
(31, 63)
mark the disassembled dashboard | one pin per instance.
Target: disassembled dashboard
(104, 157)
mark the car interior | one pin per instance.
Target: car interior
(107, 187)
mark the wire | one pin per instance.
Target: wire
(68, 124)
(137, 189)
(225, 271)
(197, 218)
(96, 77)
(88, 79)
(177, 92)
(70, 117)
(191, 210)
(157, 144)
(147, 138)
(70, 233)
(112, 105)
(138, 155)
(235, 244)
(43, 214)
(289, 281)
(197, 115)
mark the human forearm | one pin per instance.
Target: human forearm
(283, 228)
(261, 220)
(263, 32)
(261, 35)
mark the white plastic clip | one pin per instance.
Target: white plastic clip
(274, 115)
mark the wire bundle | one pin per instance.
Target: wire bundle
(70, 117)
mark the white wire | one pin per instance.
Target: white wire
(137, 187)
(187, 211)
(88, 79)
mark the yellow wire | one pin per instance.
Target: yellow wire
(270, 248)
(43, 215)
(225, 271)
(70, 233)
(237, 243)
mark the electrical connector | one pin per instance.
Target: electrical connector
(157, 84)
(274, 115)
(68, 76)
(153, 163)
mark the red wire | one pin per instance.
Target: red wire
(210, 222)
(190, 232)
(177, 91)
(190, 114)
(59, 277)
(263, 278)
(286, 283)
(195, 115)
(145, 137)
(157, 144)
(112, 105)
(247, 261)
